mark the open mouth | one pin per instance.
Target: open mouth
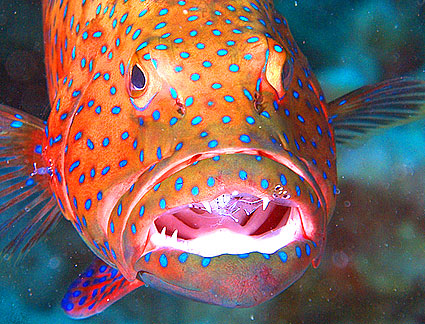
(236, 223)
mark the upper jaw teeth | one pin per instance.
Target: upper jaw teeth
(207, 206)
(265, 203)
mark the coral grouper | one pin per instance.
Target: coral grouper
(189, 144)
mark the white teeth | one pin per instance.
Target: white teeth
(174, 236)
(265, 203)
(207, 206)
(216, 242)
(235, 193)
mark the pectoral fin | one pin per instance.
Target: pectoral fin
(363, 112)
(28, 208)
(96, 289)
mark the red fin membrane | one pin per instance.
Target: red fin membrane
(27, 206)
(96, 289)
(366, 111)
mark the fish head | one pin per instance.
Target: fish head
(205, 190)
(226, 206)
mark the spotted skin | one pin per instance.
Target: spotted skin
(184, 68)
(214, 89)
(163, 104)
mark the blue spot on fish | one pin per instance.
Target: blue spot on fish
(163, 260)
(283, 256)
(298, 251)
(206, 262)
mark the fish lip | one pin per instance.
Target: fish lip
(190, 159)
(237, 239)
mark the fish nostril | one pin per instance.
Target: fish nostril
(258, 102)
(180, 107)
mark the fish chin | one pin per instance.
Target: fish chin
(236, 250)
(236, 223)
(235, 244)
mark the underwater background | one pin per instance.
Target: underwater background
(373, 270)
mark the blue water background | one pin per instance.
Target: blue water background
(373, 270)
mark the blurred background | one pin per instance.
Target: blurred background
(373, 270)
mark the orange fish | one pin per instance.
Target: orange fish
(189, 144)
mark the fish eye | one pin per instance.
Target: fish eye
(142, 82)
(287, 74)
(138, 78)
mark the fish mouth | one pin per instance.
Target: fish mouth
(236, 223)
(233, 215)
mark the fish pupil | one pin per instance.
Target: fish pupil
(138, 79)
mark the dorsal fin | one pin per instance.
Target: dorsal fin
(365, 111)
